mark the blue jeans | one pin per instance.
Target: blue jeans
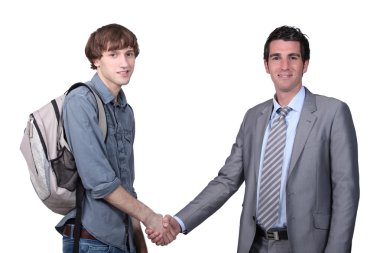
(89, 246)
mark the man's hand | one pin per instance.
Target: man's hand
(154, 222)
(171, 229)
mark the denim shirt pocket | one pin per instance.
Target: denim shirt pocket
(124, 146)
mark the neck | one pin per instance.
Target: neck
(113, 88)
(283, 98)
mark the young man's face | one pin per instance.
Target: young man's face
(285, 66)
(115, 68)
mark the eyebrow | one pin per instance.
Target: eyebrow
(291, 54)
(295, 54)
(114, 50)
(275, 54)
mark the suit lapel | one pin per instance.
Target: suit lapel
(261, 125)
(305, 124)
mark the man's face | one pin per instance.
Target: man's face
(285, 66)
(115, 68)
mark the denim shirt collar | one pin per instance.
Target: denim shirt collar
(104, 92)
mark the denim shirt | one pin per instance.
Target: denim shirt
(102, 166)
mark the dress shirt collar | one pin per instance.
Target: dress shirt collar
(296, 103)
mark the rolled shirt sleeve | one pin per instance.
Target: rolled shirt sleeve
(87, 143)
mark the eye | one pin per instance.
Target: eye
(112, 54)
(130, 54)
(294, 57)
(275, 58)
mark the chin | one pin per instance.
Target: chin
(124, 82)
(288, 87)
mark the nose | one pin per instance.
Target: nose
(124, 61)
(284, 64)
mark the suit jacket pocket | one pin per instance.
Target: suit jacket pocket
(322, 220)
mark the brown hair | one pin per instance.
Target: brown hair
(107, 38)
(289, 33)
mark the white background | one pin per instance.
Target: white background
(199, 70)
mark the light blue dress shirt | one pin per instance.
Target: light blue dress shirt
(291, 121)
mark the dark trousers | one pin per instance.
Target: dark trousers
(262, 245)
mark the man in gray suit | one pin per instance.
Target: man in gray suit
(313, 206)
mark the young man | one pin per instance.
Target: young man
(297, 155)
(111, 212)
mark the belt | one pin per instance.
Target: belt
(68, 230)
(273, 233)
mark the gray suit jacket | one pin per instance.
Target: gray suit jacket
(322, 190)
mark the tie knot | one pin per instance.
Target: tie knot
(283, 111)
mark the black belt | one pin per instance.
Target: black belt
(273, 233)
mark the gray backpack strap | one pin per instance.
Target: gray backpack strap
(79, 189)
(101, 111)
(101, 115)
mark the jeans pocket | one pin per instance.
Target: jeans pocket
(99, 249)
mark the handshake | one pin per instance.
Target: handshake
(162, 230)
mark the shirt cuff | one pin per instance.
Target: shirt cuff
(180, 222)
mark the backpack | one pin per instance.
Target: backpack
(50, 162)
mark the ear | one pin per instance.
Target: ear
(266, 66)
(305, 66)
(96, 63)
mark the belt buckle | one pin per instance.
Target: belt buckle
(272, 235)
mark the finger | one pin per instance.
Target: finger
(172, 232)
(156, 239)
(166, 221)
(160, 243)
(154, 236)
(168, 238)
(149, 231)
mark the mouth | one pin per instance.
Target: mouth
(284, 75)
(123, 73)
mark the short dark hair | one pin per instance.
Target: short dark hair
(107, 38)
(288, 33)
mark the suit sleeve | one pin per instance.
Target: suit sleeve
(345, 181)
(218, 190)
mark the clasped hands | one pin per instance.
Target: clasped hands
(162, 230)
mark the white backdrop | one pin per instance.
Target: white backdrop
(199, 70)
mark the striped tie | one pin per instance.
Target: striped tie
(267, 213)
